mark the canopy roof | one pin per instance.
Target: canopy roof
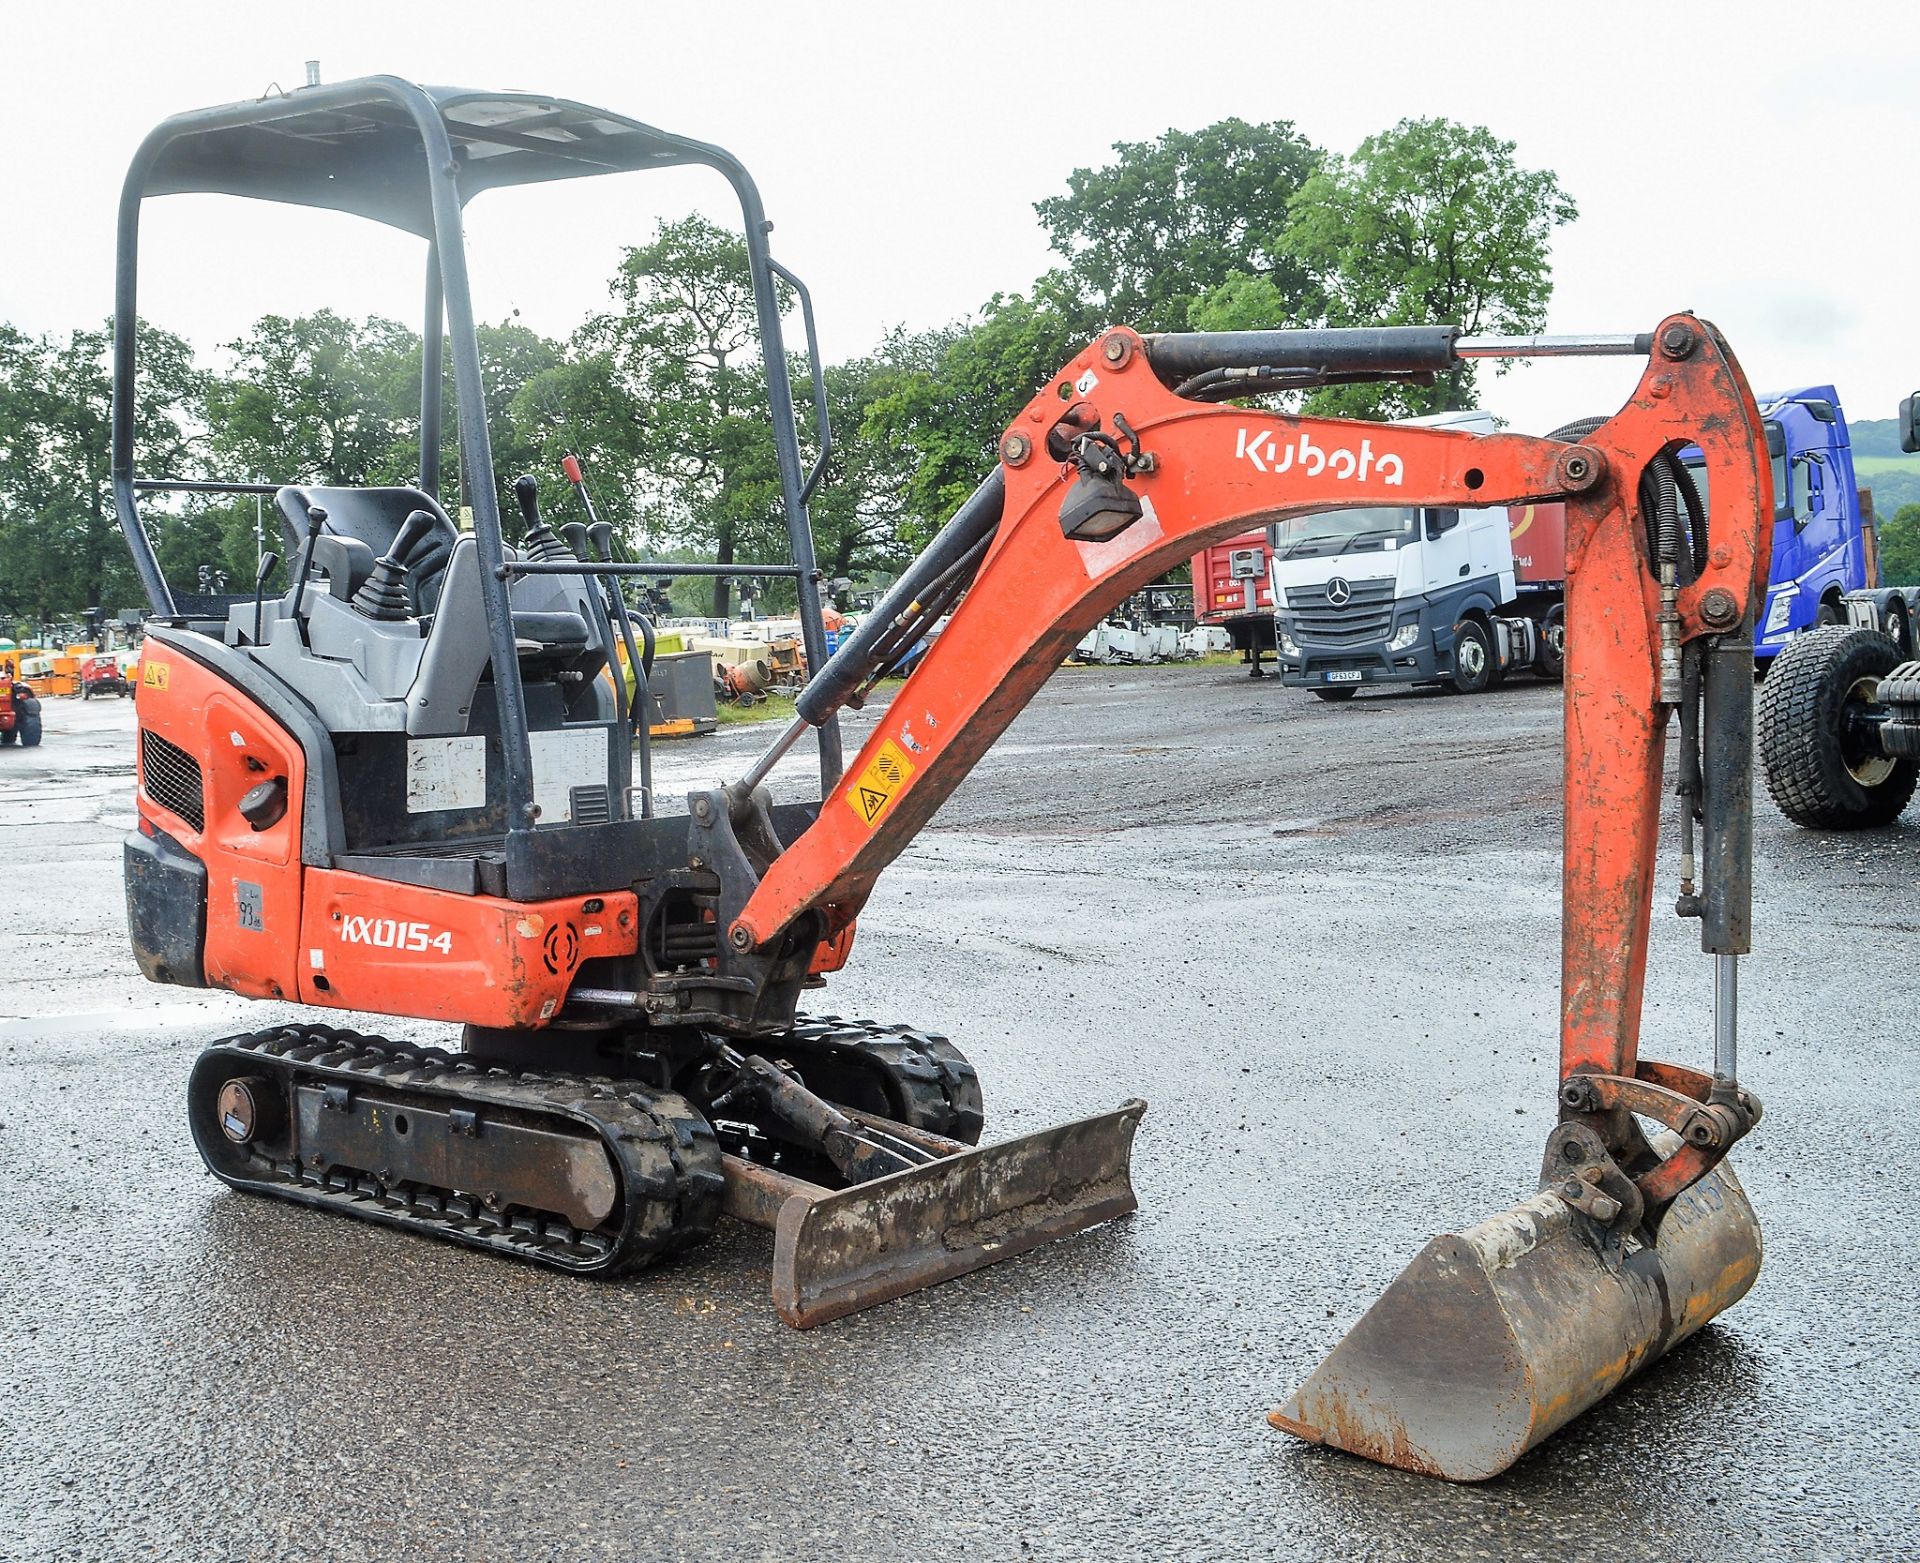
(357, 147)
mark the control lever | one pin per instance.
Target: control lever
(269, 562)
(575, 533)
(640, 707)
(383, 594)
(316, 519)
(540, 543)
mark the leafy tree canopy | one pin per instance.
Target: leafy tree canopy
(1168, 220)
(1900, 547)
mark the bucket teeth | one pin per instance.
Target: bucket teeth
(1495, 1337)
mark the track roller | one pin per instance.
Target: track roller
(591, 1176)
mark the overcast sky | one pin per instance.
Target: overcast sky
(1752, 161)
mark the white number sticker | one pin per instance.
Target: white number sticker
(387, 933)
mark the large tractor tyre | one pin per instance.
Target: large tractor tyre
(1823, 768)
(1335, 694)
(1472, 658)
(1550, 652)
(29, 729)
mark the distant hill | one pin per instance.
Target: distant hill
(1878, 437)
(1880, 464)
(1891, 490)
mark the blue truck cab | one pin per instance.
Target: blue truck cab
(1819, 551)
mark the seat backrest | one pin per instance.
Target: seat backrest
(374, 516)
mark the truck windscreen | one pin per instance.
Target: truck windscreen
(1344, 531)
(1695, 464)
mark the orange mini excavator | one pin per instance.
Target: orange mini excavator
(407, 786)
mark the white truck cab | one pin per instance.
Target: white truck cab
(1403, 594)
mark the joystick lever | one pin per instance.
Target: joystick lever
(383, 594)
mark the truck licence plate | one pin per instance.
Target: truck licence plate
(1343, 676)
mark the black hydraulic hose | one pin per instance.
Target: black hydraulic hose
(1666, 509)
(1697, 522)
(1689, 785)
(906, 635)
(974, 522)
(1666, 478)
(1219, 385)
(938, 597)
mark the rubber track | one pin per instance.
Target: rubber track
(664, 1151)
(939, 1088)
(1799, 746)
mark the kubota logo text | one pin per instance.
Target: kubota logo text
(387, 934)
(1270, 455)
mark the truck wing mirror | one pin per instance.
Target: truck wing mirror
(1910, 424)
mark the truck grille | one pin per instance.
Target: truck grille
(172, 779)
(1364, 617)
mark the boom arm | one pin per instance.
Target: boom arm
(1203, 472)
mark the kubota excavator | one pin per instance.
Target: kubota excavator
(405, 786)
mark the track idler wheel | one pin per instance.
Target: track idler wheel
(1497, 1336)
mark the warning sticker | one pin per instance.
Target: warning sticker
(154, 674)
(874, 788)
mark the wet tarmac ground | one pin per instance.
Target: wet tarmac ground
(1322, 942)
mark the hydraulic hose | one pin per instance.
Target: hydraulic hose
(972, 525)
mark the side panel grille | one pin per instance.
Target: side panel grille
(172, 779)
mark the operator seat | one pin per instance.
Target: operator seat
(373, 517)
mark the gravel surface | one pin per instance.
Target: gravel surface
(1321, 941)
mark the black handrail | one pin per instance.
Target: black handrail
(823, 429)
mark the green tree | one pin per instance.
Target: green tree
(1147, 235)
(1900, 547)
(859, 511)
(1431, 222)
(947, 396)
(59, 531)
(582, 406)
(319, 399)
(685, 346)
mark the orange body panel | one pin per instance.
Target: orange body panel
(253, 876)
(279, 929)
(396, 949)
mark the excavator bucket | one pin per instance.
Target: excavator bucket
(836, 1251)
(1495, 1337)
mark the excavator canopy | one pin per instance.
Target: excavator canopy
(356, 147)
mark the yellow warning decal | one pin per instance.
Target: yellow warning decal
(873, 789)
(154, 674)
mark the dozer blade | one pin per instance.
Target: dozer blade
(1495, 1337)
(836, 1251)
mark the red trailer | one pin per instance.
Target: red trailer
(1538, 534)
(1233, 591)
